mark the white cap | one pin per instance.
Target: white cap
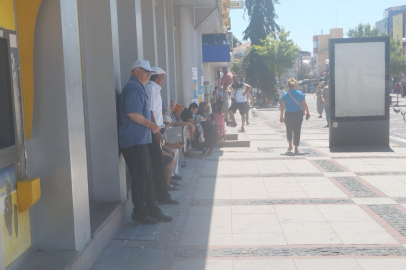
(158, 70)
(142, 64)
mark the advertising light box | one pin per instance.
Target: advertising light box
(359, 78)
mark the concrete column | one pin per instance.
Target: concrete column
(177, 56)
(128, 30)
(56, 151)
(172, 76)
(149, 39)
(118, 85)
(199, 57)
(100, 101)
(162, 46)
(187, 45)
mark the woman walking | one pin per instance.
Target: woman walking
(293, 101)
(319, 95)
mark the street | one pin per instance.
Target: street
(262, 208)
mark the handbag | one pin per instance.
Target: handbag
(297, 102)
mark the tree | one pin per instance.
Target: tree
(238, 68)
(235, 41)
(278, 52)
(262, 23)
(397, 59)
(364, 30)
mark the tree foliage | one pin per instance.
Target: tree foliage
(262, 23)
(364, 30)
(278, 52)
(235, 41)
(397, 59)
(262, 20)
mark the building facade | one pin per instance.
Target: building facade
(320, 49)
(62, 64)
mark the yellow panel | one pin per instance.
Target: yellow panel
(7, 14)
(16, 230)
(29, 192)
(398, 27)
(27, 11)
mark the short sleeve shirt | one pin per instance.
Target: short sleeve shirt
(186, 115)
(133, 99)
(227, 79)
(291, 105)
(153, 91)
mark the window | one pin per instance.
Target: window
(7, 137)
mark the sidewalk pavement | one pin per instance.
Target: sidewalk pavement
(262, 208)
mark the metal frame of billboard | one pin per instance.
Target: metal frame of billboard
(332, 43)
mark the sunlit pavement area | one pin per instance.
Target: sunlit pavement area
(261, 208)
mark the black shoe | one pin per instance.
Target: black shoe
(248, 123)
(168, 201)
(144, 219)
(161, 217)
(176, 177)
(320, 116)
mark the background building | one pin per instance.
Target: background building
(386, 24)
(61, 63)
(320, 49)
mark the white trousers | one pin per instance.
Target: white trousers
(176, 168)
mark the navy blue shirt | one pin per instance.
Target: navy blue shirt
(291, 105)
(133, 99)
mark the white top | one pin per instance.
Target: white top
(153, 91)
(237, 94)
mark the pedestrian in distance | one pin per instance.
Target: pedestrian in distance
(326, 102)
(281, 92)
(294, 107)
(238, 92)
(319, 97)
(220, 124)
(135, 133)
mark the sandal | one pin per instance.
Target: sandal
(175, 184)
(172, 187)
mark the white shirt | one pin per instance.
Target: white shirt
(153, 91)
(237, 94)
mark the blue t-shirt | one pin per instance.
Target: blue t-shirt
(133, 99)
(291, 105)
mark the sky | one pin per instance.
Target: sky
(306, 18)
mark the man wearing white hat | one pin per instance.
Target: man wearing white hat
(134, 136)
(153, 90)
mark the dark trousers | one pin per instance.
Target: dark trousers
(293, 121)
(158, 167)
(327, 109)
(138, 161)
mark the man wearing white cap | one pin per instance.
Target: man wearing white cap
(134, 136)
(153, 90)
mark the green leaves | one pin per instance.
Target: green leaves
(278, 52)
(364, 30)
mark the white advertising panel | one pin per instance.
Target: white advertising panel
(359, 79)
